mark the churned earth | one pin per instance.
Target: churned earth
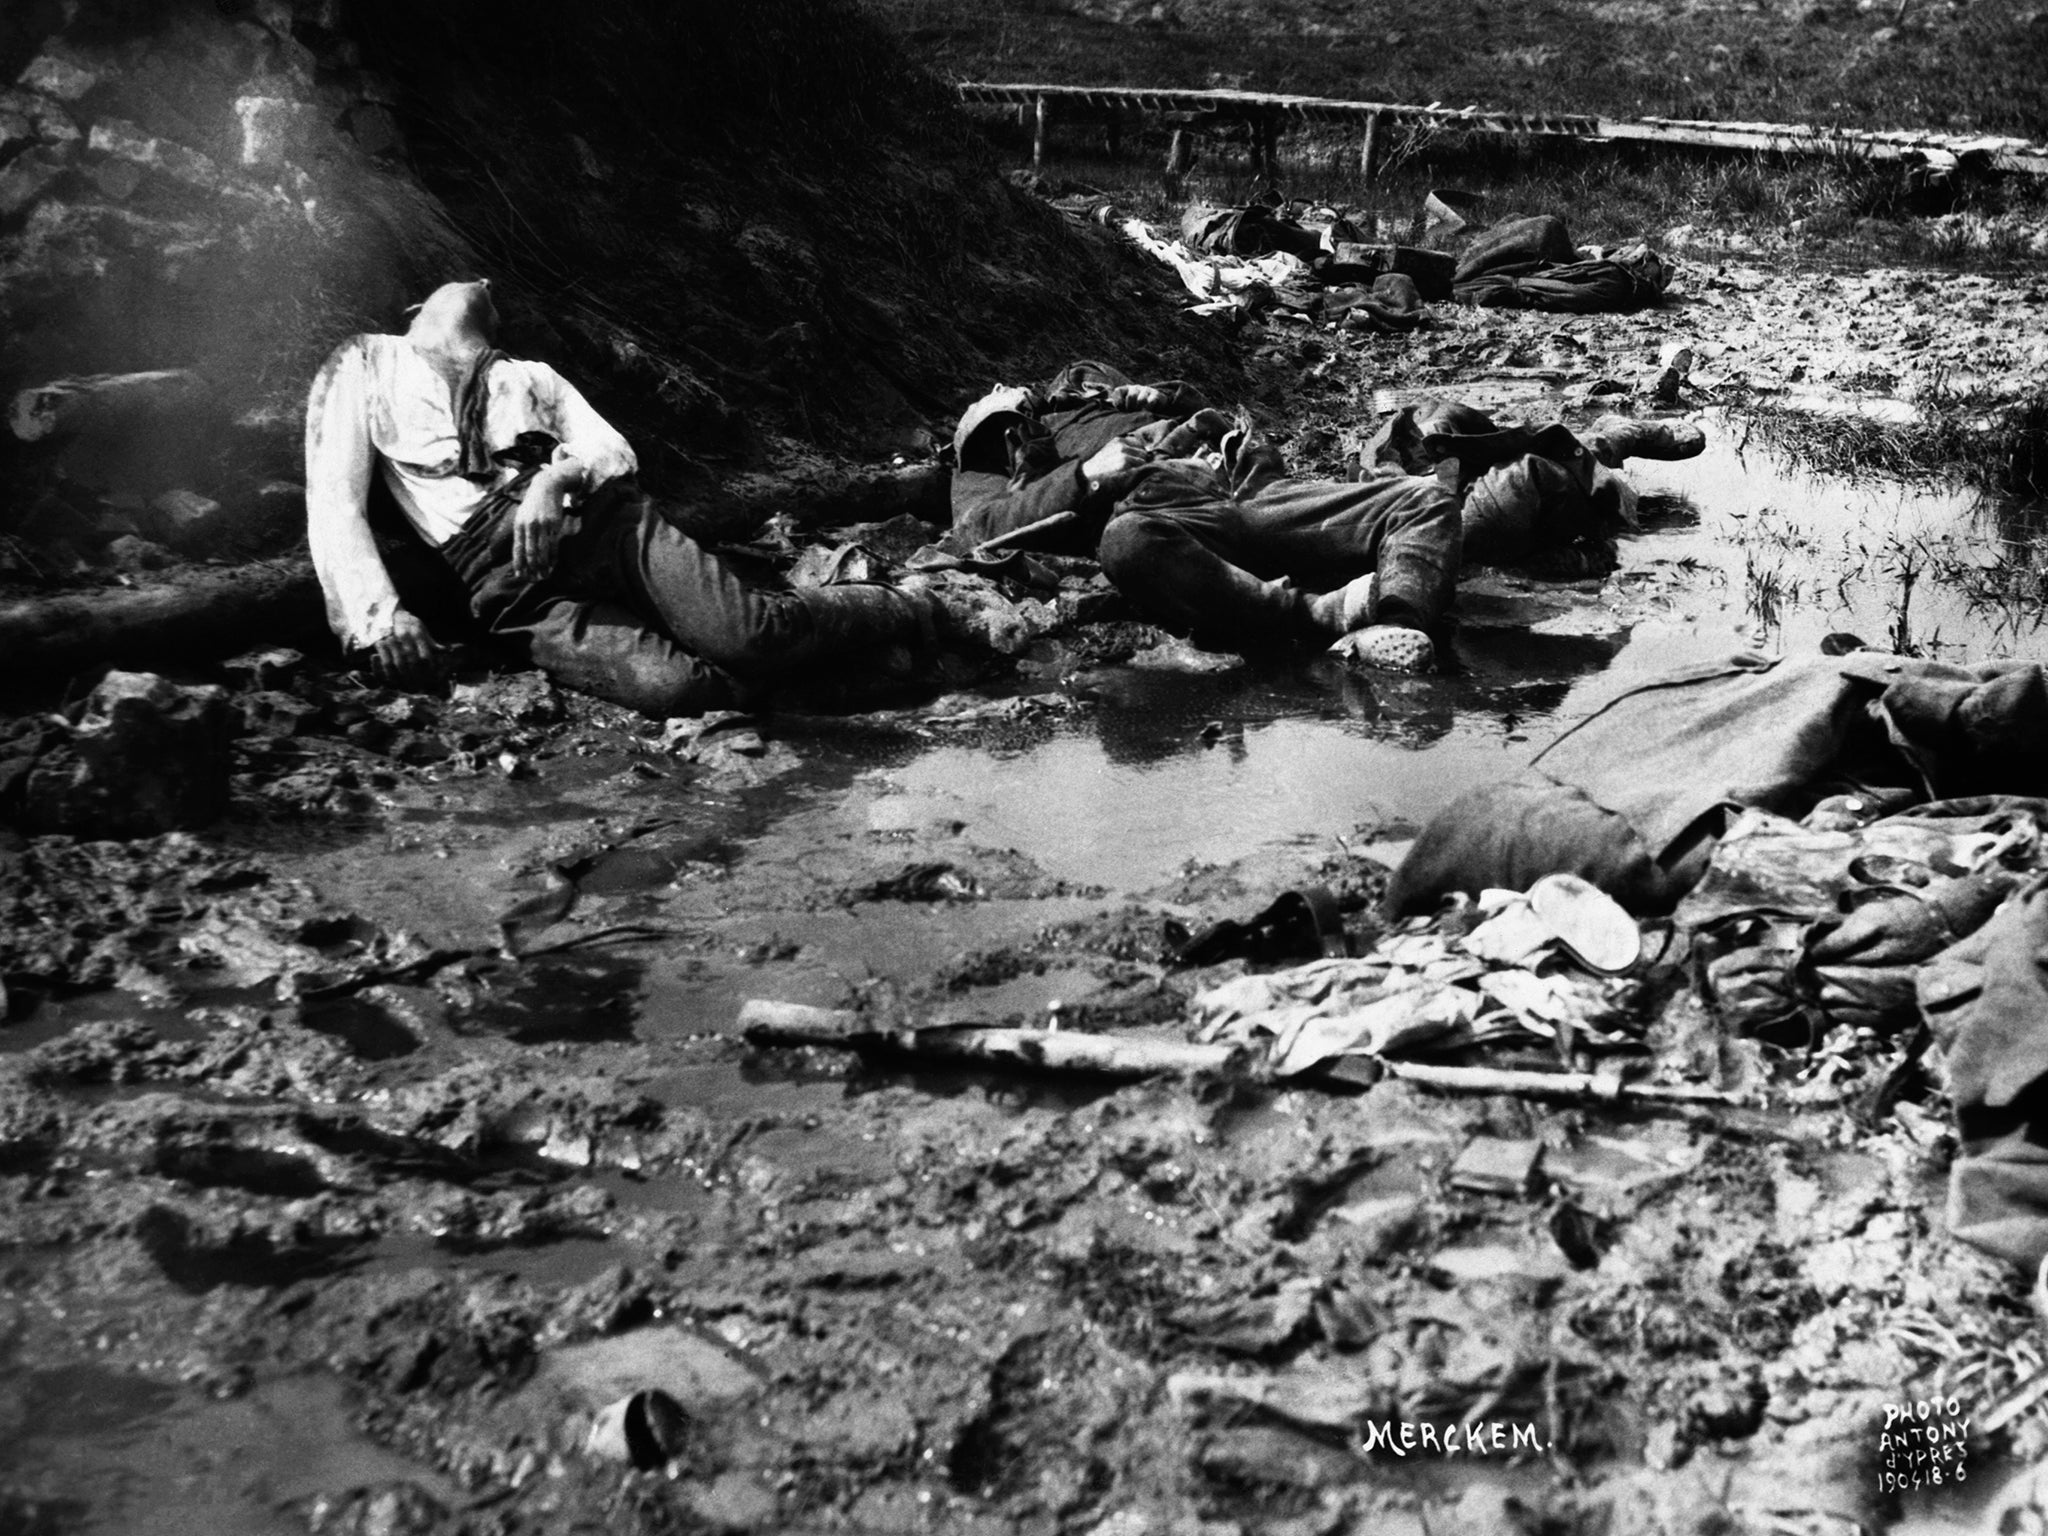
(361, 1149)
(357, 1152)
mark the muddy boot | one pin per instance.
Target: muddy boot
(1388, 648)
(1615, 438)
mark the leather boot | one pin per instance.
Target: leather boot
(1615, 438)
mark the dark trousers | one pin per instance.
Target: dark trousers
(635, 611)
(1235, 571)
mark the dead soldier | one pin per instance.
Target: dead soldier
(1194, 520)
(530, 498)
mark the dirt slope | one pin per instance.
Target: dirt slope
(750, 231)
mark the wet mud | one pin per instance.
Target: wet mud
(356, 1154)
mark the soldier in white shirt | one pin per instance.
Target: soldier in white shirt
(529, 495)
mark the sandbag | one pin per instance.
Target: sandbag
(1677, 757)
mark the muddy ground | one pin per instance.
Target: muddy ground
(360, 1148)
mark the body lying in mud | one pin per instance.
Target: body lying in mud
(528, 496)
(1194, 520)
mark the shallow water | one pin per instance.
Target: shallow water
(1764, 557)
(146, 1459)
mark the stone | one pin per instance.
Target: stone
(121, 140)
(277, 668)
(35, 116)
(1492, 1166)
(186, 518)
(54, 75)
(146, 756)
(272, 714)
(28, 175)
(277, 130)
(133, 554)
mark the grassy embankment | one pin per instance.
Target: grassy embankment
(1975, 69)
(1964, 69)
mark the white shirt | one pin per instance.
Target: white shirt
(377, 402)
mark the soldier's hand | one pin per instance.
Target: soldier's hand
(1204, 429)
(1112, 464)
(408, 655)
(1140, 397)
(537, 527)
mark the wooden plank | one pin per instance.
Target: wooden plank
(2018, 156)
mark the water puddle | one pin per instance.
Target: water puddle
(562, 1262)
(1780, 558)
(37, 1019)
(1760, 555)
(587, 997)
(141, 1458)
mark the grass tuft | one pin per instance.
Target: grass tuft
(1999, 446)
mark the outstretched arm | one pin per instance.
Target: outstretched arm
(362, 604)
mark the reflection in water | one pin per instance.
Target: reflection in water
(1948, 571)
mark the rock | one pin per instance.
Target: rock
(147, 756)
(1492, 1166)
(265, 669)
(524, 698)
(277, 130)
(1174, 655)
(124, 141)
(273, 714)
(187, 519)
(28, 114)
(28, 175)
(134, 554)
(54, 75)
